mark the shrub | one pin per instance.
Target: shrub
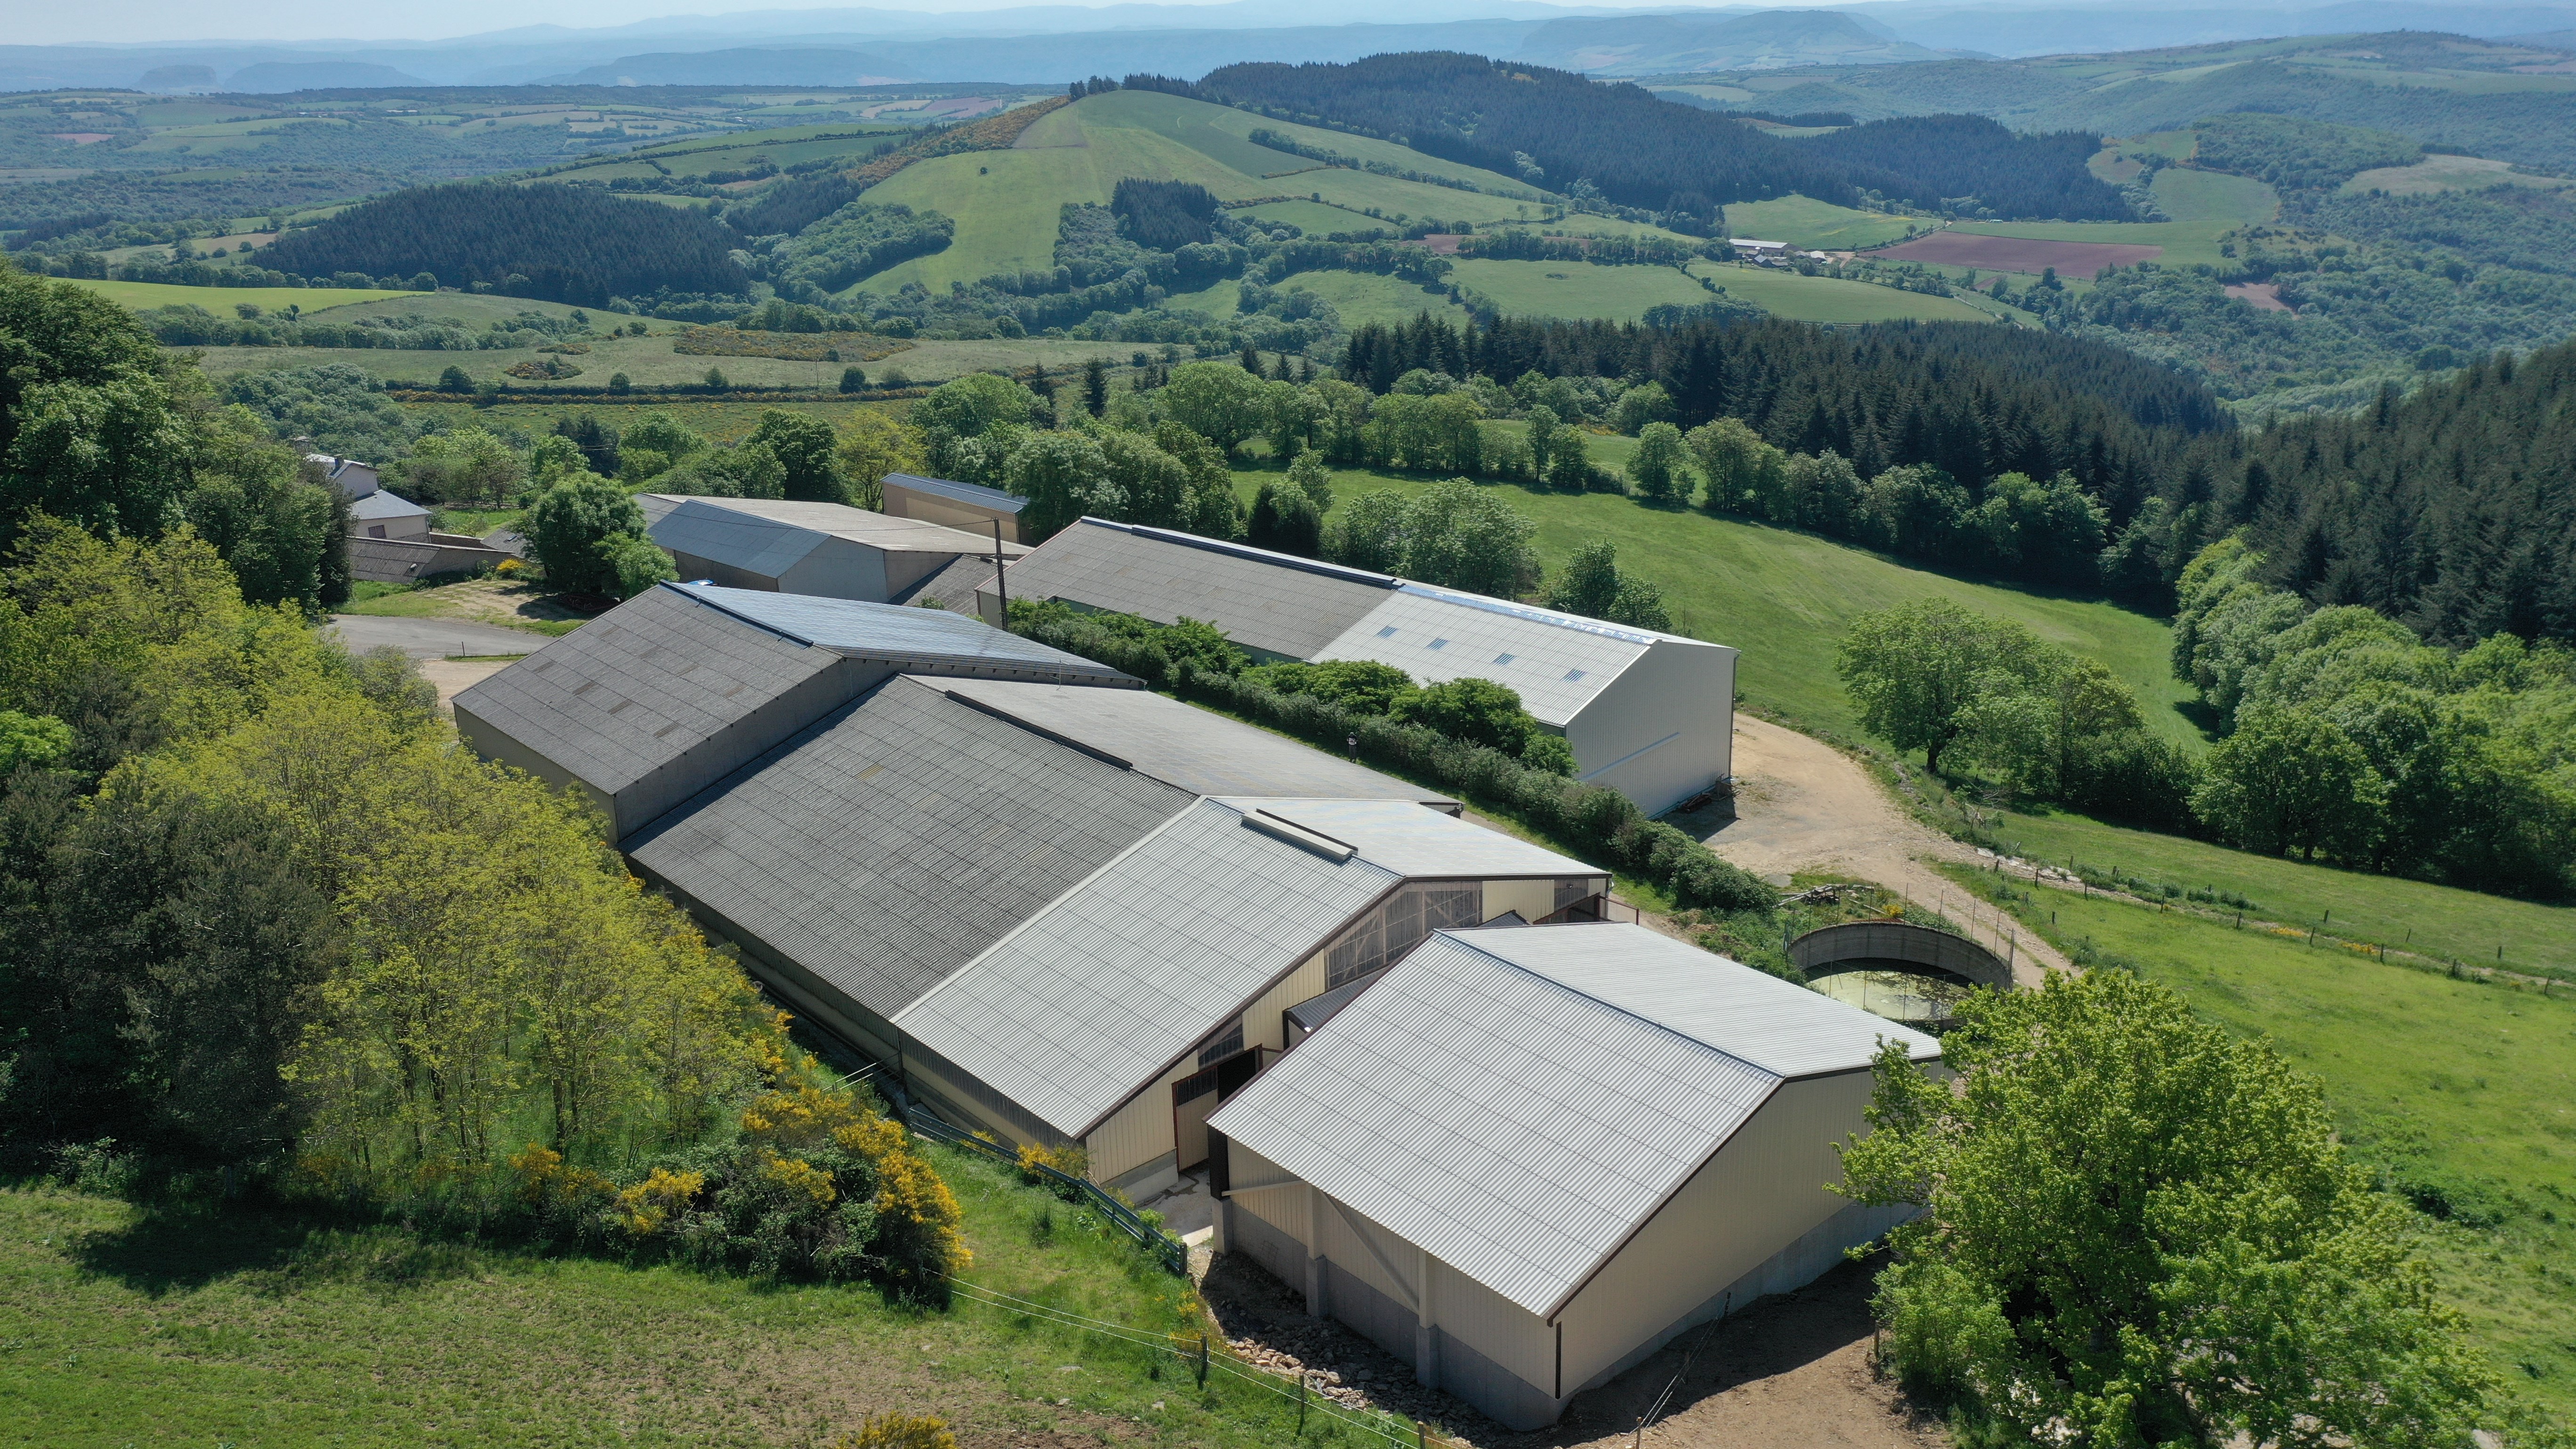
(898, 1431)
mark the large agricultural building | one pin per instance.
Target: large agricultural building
(1526, 1159)
(1649, 714)
(1516, 1145)
(826, 549)
(1066, 909)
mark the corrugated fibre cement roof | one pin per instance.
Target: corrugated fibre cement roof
(1272, 602)
(897, 838)
(913, 640)
(1507, 1119)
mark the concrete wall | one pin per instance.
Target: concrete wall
(401, 561)
(1665, 729)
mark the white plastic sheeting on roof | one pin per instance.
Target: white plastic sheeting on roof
(913, 640)
(1482, 1104)
(1097, 994)
(1556, 662)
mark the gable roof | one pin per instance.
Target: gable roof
(887, 844)
(1273, 602)
(1096, 995)
(1519, 1101)
(975, 493)
(380, 505)
(1197, 750)
(632, 691)
(1557, 662)
(769, 535)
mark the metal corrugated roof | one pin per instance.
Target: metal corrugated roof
(1419, 843)
(1086, 1003)
(636, 688)
(737, 540)
(1198, 750)
(381, 505)
(1500, 1100)
(915, 640)
(1099, 993)
(1271, 602)
(975, 493)
(1554, 662)
(887, 845)
(752, 518)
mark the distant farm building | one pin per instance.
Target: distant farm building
(1647, 713)
(1528, 1158)
(824, 549)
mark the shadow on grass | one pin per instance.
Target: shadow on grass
(180, 1248)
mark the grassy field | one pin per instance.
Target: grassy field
(221, 300)
(2188, 195)
(1831, 299)
(1786, 598)
(1803, 221)
(2205, 205)
(2446, 173)
(1360, 297)
(1577, 289)
(2397, 913)
(252, 1327)
(2463, 1093)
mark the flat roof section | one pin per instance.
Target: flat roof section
(1197, 750)
(1272, 602)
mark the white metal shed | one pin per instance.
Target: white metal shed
(1529, 1157)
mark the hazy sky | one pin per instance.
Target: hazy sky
(30, 22)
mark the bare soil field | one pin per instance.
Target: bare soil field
(2078, 260)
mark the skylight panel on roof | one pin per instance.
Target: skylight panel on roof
(1437, 644)
(1387, 633)
(1572, 675)
(1502, 659)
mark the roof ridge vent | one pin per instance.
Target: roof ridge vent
(1304, 837)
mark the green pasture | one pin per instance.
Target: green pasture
(649, 361)
(2401, 914)
(1359, 298)
(2446, 173)
(2214, 197)
(1577, 289)
(1786, 598)
(1834, 299)
(1311, 217)
(1814, 225)
(2184, 242)
(222, 299)
(249, 1325)
(2461, 1094)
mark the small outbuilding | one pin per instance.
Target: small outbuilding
(378, 514)
(353, 478)
(968, 506)
(1648, 713)
(1528, 1157)
(826, 549)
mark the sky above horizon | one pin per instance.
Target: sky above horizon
(179, 22)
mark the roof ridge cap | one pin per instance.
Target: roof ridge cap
(1774, 1073)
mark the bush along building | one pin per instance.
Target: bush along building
(1646, 713)
(1517, 1144)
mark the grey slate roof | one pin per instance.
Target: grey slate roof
(913, 640)
(888, 844)
(1093, 998)
(630, 692)
(975, 493)
(380, 505)
(1198, 750)
(740, 540)
(951, 586)
(1518, 1102)
(1268, 601)
(733, 529)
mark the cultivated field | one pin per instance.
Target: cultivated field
(2019, 254)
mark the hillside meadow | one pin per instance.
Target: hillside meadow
(201, 1324)
(2461, 1096)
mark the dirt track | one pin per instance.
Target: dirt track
(1801, 805)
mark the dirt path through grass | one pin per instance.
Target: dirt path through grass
(1803, 806)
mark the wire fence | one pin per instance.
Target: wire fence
(1196, 1354)
(1167, 1250)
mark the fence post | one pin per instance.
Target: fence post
(1301, 1403)
(1203, 1360)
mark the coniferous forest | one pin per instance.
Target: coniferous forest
(1557, 128)
(553, 243)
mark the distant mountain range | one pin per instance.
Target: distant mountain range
(1047, 44)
